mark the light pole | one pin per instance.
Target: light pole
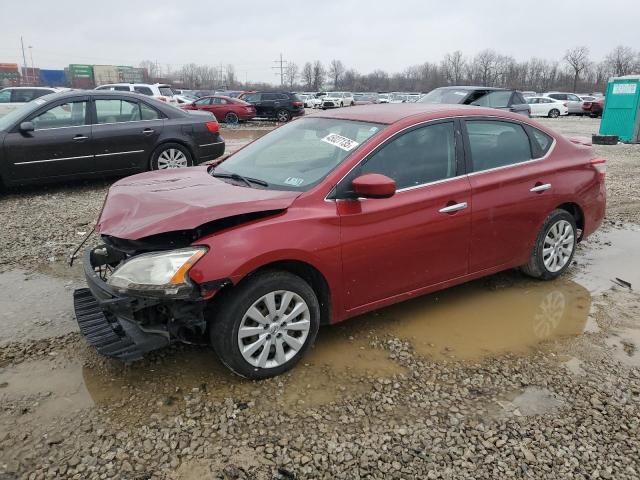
(33, 70)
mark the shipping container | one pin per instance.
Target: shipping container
(103, 74)
(30, 76)
(83, 83)
(8, 67)
(129, 74)
(53, 78)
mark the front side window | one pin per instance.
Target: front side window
(300, 154)
(251, 97)
(5, 96)
(494, 99)
(574, 98)
(116, 111)
(532, 101)
(426, 154)
(72, 114)
(24, 95)
(143, 91)
(496, 144)
(122, 89)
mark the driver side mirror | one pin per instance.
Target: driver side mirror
(374, 185)
(27, 127)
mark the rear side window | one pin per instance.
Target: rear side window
(269, 96)
(143, 90)
(116, 111)
(424, 155)
(497, 144)
(558, 96)
(542, 141)
(5, 96)
(166, 91)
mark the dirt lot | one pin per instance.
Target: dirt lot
(503, 377)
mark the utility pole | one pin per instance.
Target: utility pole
(280, 65)
(24, 58)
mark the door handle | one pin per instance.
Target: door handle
(79, 138)
(453, 208)
(540, 188)
(148, 131)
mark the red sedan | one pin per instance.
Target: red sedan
(327, 217)
(225, 109)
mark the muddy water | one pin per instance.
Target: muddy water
(236, 138)
(34, 305)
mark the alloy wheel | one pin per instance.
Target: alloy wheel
(558, 246)
(274, 329)
(231, 118)
(554, 113)
(283, 116)
(172, 158)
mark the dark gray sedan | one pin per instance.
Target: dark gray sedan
(492, 97)
(81, 134)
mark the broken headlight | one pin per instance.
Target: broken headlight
(158, 273)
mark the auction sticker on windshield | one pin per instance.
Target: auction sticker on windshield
(339, 141)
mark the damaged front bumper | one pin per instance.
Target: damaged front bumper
(127, 326)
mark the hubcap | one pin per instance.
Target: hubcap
(558, 246)
(172, 158)
(274, 329)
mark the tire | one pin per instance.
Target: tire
(232, 314)
(554, 113)
(283, 115)
(161, 158)
(231, 118)
(341, 104)
(559, 223)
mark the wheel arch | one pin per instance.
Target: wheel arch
(164, 141)
(577, 213)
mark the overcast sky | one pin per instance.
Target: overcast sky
(365, 35)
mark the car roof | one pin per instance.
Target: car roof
(470, 87)
(32, 88)
(392, 113)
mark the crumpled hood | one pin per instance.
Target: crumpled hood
(180, 199)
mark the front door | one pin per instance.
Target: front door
(60, 144)
(124, 133)
(418, 237)
(512, 193)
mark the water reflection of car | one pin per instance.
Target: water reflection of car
(80, 134)
(328, 217)
(492, 97)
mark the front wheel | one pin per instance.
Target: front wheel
(554, 113)
(265, 325)
(554, 248)
(231, 118)
(170, 155)
(283, 116)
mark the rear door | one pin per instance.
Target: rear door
(512, 192)
(536, 106)
(575, 104)
(125, 132)
(518, 104)
(60, 145)
(256, 100)
(418, 237)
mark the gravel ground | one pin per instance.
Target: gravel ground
(368, 403)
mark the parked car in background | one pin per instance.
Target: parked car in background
(594, 108)
(574, 102)
(14, 97)
(529, 93)
(282, 106)
(159, 91)
(281, 231)
(500, 98)
(307, 99)
(337, 99)
(365, 98)
(547, 107)
(587, 98)
(184, 99)
(88, 133)
(225, 109)
(383, 98)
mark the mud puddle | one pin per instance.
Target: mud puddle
(35, 306)
(236, 138)
(474, 320)
(607, 255)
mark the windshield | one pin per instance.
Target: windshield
(444, 95)
(300, 154)
(12, 117)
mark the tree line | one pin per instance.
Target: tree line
(575, 71)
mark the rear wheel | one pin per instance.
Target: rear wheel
(554, 248)
(170, 155)
(264, 326)
(283, 116)
(554, 113)
(231, 118)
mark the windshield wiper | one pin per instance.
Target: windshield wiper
(235, 176)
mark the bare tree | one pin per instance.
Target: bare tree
(621, 61)
(291, 74)
(319, 74)
(230, 77)
(336, 71)
(578, 60)
(307, 75)
(151, 67)
(453, 67)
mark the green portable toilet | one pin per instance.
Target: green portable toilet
(621, 115)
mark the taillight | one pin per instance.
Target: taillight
(213, 127)
(600, 165)
(297, 104)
